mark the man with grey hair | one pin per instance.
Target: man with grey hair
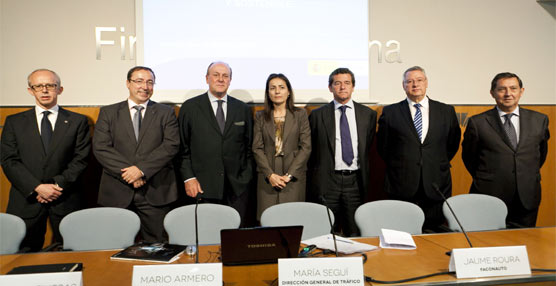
(216, 133)
(417, 139)
(44, 151)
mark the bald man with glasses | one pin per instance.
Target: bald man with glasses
(44, 151)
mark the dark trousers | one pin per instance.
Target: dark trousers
(36, 229)
(152, 218)
(519, 216)
(343, 198)
(239, 203)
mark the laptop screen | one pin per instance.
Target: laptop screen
(259, 245)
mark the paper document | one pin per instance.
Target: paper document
(345, 245)
(396, 239)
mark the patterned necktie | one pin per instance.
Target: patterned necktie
(510, 130)
(137, 120)
(220, 116)
(347, 148)
(46, 130)
(418, 121)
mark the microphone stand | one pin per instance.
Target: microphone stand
(198, 198)
(435, 187)
(331, 225)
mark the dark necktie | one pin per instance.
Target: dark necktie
(418, 121)
(220, 116)
(347, 148)
(46, 130)
(137, 121)
(510, 130)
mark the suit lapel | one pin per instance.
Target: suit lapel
(62, 125)
(406, 114)
(288, 125)
(496, 124)
(33, 133)
(124, 117)
(330, 125)
(361, 125)
(206, 108)
(150, 114)
(231, 113)
(524, 126)
(434, 120)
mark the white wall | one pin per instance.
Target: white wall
(461, 43)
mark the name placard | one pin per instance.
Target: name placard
(40, 279)
(490, 261)
(205, 274)
(345, 271)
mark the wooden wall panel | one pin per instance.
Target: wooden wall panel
(460, 176)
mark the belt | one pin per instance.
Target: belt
(345, 172)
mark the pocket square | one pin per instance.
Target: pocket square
(239, 123)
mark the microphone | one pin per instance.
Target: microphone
(331, 225)
(435, 187)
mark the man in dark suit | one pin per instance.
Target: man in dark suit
(342, 132)
(417, 139)
(135, 141)
(504, 149)
(216, 135)
(44, 151)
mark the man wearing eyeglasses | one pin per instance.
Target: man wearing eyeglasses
(135, 141)
(417, 138)
(44, 151)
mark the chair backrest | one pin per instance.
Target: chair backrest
(311, 216)
(371, 217)
(476, 212)
(99, 228)
(180, 223)
(12, 232)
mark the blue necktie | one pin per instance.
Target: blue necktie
(418, 121)
(347, 148)
(46, 130)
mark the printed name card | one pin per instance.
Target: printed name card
(205, 274)
(40, 279)
(345, 271)
(490, 261)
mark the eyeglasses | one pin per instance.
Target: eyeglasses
(141, 82)
(40, 87)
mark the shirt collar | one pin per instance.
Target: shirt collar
(39, 110)
(424, 103)
(131, 104)
(348, 104)
(213, 98)
(502, 113)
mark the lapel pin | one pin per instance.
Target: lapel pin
(65, 121)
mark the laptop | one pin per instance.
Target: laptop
(259, 245)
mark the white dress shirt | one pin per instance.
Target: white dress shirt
(132, 111)
(339, 163)
(514, 119)
(214, 103)
(52, 116)
(424, 115)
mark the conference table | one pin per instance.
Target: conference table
(382, 264)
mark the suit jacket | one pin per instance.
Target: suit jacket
(323, 135)
(115, 147)
(210, 155)
(408, 161)
(26, 164)
(296, 145)
(499, 170)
